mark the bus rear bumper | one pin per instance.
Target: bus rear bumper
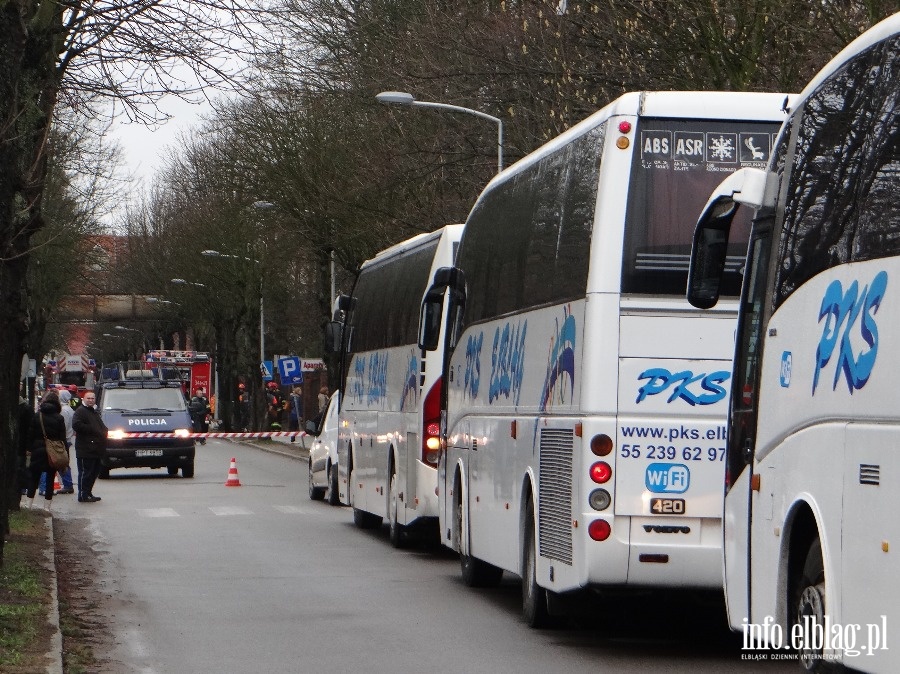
(668, 553)
(650, 553)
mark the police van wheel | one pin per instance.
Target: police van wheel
(104, 473)
(187, 470)
(172, 470)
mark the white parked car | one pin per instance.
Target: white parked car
(323, 460)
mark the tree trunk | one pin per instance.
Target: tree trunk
(28, 91)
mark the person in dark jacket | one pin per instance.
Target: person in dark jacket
(90, 445)
(48, 421)
(200, 410)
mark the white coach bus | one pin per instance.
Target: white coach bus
(813, 463)
(586, 399)
(390, 400)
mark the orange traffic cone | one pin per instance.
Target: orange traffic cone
(56, 483)
(232, 480)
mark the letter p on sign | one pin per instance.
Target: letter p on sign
(289, 369)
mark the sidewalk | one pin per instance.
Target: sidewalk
(298, 450)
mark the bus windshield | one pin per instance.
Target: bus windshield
(678, 164)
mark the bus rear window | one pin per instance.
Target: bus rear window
(676, 167)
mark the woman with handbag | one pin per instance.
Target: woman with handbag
(47, 426)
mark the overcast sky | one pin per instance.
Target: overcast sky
(144, 148)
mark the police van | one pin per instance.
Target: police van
(136, 398)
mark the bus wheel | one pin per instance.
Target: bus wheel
(332, 495)
(534, 597)
(475, 572)
(396, 531)
(809, 604)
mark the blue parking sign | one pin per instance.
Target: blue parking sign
(289, 369)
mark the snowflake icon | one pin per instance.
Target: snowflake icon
(721, 148)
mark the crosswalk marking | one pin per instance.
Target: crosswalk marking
(291, 510)
(231, 510)
(157, 512)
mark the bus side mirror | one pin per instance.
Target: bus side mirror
(747, 186)
(709, 252)
(344, 303)
(334, 332)
(430, 319)
(445, 278)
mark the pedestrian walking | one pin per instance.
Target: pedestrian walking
(90, 446)
(200, 410)
(65, 475)
(243, 408)
(296, 409)
(322, 400)
(47, 424)
(274, 405)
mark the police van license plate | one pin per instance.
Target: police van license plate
(148, 452)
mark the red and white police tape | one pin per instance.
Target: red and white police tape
(261, 434)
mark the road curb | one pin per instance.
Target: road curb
(300, 453)
(55, 654)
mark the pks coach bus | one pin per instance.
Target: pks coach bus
(390, 398)
(585, 398)
(812, 460)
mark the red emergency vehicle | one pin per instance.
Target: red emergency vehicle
(194, 368)
(71, 370)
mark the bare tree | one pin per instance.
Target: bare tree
(81, 54)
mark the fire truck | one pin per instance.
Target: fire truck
(69, 369)
(194, 368)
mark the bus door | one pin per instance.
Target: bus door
(739, 459)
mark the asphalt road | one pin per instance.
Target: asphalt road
(207, 578)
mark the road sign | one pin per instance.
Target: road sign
(265, 368)
(29, 367)
(289, 369)
(312, 364)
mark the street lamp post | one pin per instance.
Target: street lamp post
(262, 321)
(403, 98)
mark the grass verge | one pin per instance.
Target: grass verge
(25, 594)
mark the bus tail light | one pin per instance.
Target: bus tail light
(431, 425)
(599, 499)
(601, 472)
(601, 445)
(599, 530)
